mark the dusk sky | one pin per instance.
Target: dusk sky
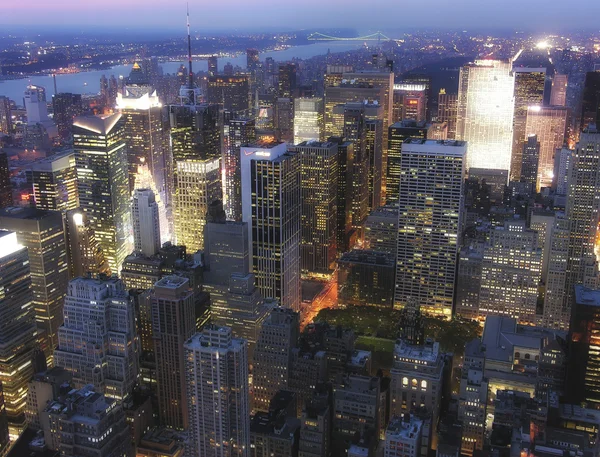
(254, 14)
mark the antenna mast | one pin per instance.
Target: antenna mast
(191, 73)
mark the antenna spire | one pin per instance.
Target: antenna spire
(191, 73)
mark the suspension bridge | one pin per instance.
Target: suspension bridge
(377, 36)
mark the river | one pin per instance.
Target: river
(89, 82)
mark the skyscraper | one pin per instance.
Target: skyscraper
(558, 95)
(217, 392)
(318, 183)
(5, 184)
(410, 102)
(173, 323)
(230, 91)
(287, 83)
(530, 160)
(146, 225)
(66, 107)
(590, 102)
(35, 104)
(429, 223)
(272, 209)
(5, 115)
(84, 254)
(100, 153)
(448, 111)
(53, 182)
(213, 66)
(308, 120)
(42, 233)
(18, 331)
(252, 59)
(485, 113)
(97, 342)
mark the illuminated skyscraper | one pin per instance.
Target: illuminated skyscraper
(146, 225)
(53, 182)
(590, 102)
(84, 253)
(288, 83)
(36, 105)
(485, 113)
(5, 115)
(213, 66)
(100, 153)
(529, 91)
(271, 206)
(218, 396)
(308, 120)
(5, 184)
(558, 95)
(252, 59)
(346, 238)
(319, 178)
(18, 329)
(232, 92)
(195, 132)
(448, 111)
(530, 160)
(429, 223)
(410, 102)
(66, 107)
(549, 124)
(284, 119)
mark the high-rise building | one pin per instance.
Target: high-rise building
(318, 183)
(562, 164)
(42, 233)
(528, 91)
(198, 185)
(5, 115)
(146, 225)
(213, 66)
(381, 230)
(448, 111)
(308, 120)
(101, 157)
(5, 184)
(410, 102)
(98, 342)
(273, 355)
(284, 119)
(53, 182)
(399, 132)
(140, 272)
(315, 425)
(18, 330)
(549, 124)
(252, 59)
(195, 132)
(429, 222)
(557, 313)
(232, 92)
(217, 392)
(485, 113)
(271, 179)
(468, 281)
(558, 94)
(35, 104)
(173, 323)
(530, 160)
(84, 254)
(287, 83)
(66, 107)
(45, 387)
(403, 437)
(590, 102)
(236, 132)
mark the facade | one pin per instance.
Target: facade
(217, 390)
(403, 437)
(97, 342)
(486, 112)
(271, 206)
(146, 225)
(468, 281)
(287, 81)
(230, 91)
(558, 95)
(381, 230)
(410, 102)
(101, 158)
(308, 120)
(35, 104)
(5, 115)
(448, 111)
(590, 102)
(53, 182)
(44, 388)
(530, 161)
(562, 164)
(315, 427)
(84, 254)
(432, 176)
(65, 108)
(5, 184)
(141, 272)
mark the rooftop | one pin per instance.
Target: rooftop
(586, 296)
(427, 354)
(101, 125)
(406, 427)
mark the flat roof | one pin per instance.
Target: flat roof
(586, 296)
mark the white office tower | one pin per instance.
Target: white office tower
(217, 388)
(35, 104)
(485, 113)
(271, 208)
(146, 225)
(97, 342)
(429, 223)
(308, 120)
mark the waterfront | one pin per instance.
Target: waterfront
(89, 82)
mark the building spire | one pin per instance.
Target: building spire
(191, 73)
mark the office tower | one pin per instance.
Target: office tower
(173, 323)
(42, 233)
(511, 273)
(403, 437)
(318, 184)
(399, 132)
(5, 184)
(53, 182)
(308, 120)
(5, 115)
(530, 161)
(4, 436)
(265, 117)
(66, 107)
(236, 132)
(468, 281)
(345, 235)
(473, 399)
(217, 392)
(366, 278)
(590, 102)
(485, 113)
(549, 124)
(146, 226)
(141, 272)
(583, 378)
(287, 82)
(429, 222)
(198, 184)
(195, 132)
(381, 230)
(562, 163)
(528, 91)
(438, 131)
(374, 150)
(557, 313)
(284, 119)
(84, 254)
(232, 92)
(252, 59)
(273, 355)
(315, 424)
(141, 111)
(495, 180)
(276, 432)
(44, 388)
(213, 66)
(101, 157)
(18, 331)
(558, 95)
(448, 111)
(410, 102)
(542, 221)
(35, 104)
(91, 424)
(271, 178)
(97, 342)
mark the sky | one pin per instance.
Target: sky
(242, 15)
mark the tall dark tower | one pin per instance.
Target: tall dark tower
(590, 106)
(412, 325)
